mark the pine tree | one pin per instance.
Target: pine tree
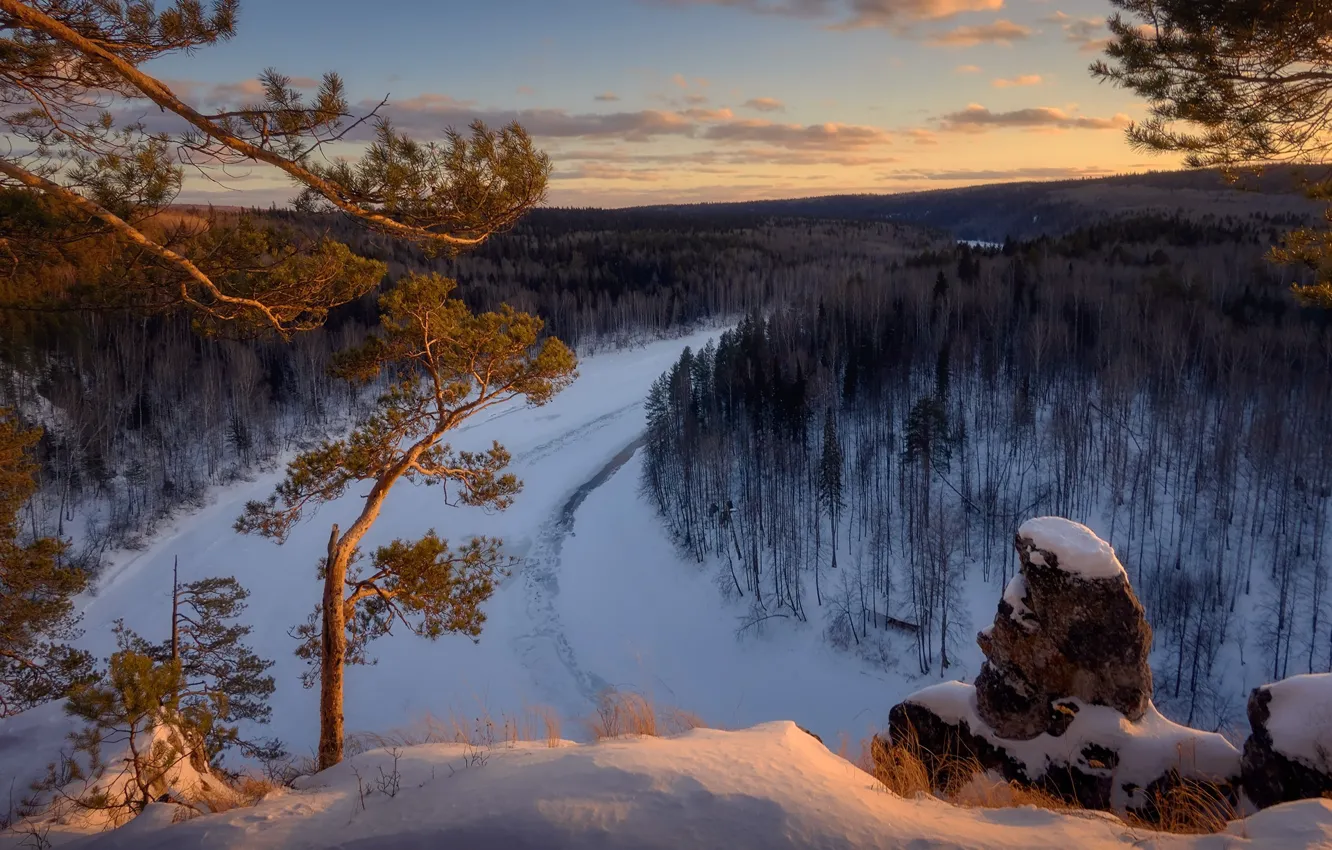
(146, 706)
(1233, 83)
(37, 586)
(79, 173)
(207, 642)
(444, 366)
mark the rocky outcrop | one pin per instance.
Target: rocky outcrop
(1064, 699)
(1069, 627)
(1288, 755)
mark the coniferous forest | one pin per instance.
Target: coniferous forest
(856, 450)
(860, 457)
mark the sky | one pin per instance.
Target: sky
(678, 101)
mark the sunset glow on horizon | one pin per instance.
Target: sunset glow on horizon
(669, 101)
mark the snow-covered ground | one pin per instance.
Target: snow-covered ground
(600, 598)
(769, 787)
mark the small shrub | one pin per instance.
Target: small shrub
(622, 713)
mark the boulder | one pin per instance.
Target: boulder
(1068, 627)
(1100, 759)
(1063, 701)
(1288, 755)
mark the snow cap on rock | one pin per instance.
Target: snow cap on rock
(1076, 548)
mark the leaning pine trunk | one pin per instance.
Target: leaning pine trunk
(334, 652)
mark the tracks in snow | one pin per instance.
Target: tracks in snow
(545, 650)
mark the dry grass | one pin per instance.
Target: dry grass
(621, 713)
(251, 789)
(904, 767)
(539, 724)
(899, 767)
(1192, 808)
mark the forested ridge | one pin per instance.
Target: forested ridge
(142, 415)
(860, 456)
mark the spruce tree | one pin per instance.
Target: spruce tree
(443, 365)
(830, 477)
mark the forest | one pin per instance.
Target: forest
(860, 456)
(142, 415)
(888, 405)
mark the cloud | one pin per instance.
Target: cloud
(425, 116)
(996, 175)
(1087, 33)
(212, 95)
(967, 69)
(607, 97)
(1000, 32)
(922, 136)
(1015, 82)
(709, 115)
(978, 119)
(796, 135)
(598, 171)
(878, 13)
(764, 104)
(854, 14)
(735, 156)
(525, 90)
(695, 99)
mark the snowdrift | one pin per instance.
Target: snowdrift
(771, 786)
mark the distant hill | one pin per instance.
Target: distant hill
(1026, 210)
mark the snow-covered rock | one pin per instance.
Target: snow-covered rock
(1068, 627)
(1075, 547)
(1288, 756)
(1064, 699)
(770, 787)
(1100, 758)
(58, 789)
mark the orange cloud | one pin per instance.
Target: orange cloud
(855, 14)
(1086, 33)
(978, 119)
(1015, 82)
(1000, 32)
(829, 135)
(765, 104)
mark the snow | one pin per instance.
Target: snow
(1300, 720)
(1146, 748)
(1016, 597)
(601, 597)
(770, 786)
(1077, 548)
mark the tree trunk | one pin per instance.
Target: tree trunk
(333, 656)
(175, 609)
